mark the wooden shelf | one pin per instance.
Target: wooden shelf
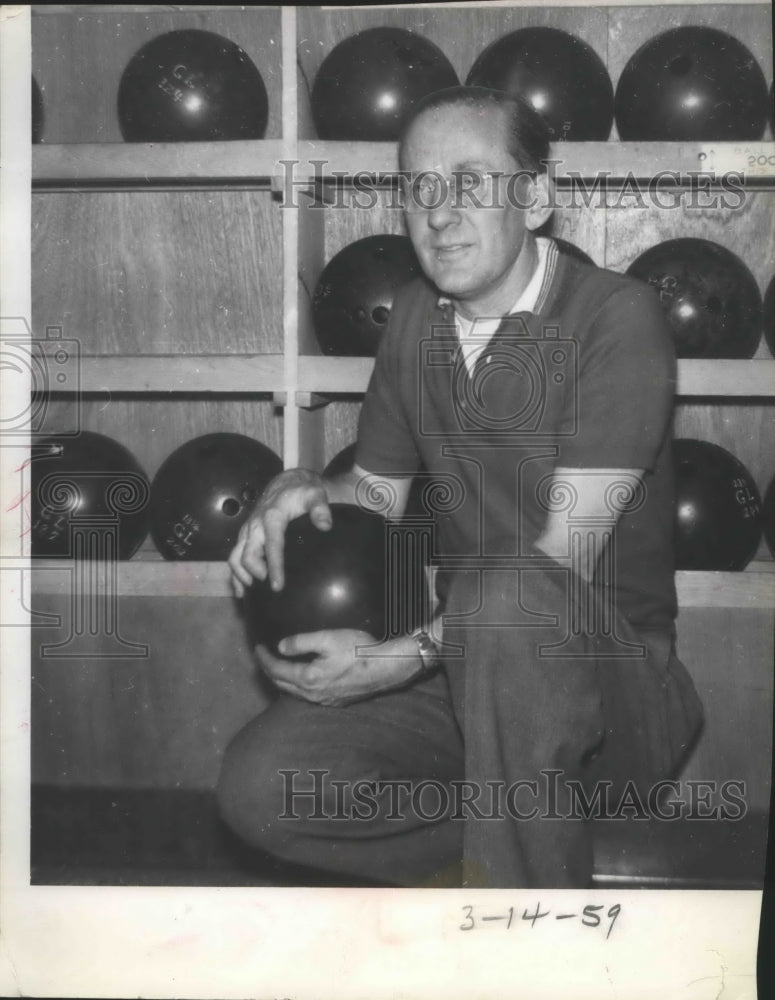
(753, 588)
(245, 374)
(111, 166)
(210, 373)
(613, 160)
(252, 163)
(695, 378)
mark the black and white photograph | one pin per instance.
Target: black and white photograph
(387, 461)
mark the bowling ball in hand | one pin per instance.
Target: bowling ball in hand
(191, 85)
(563, 78)
(709, 296)
(369, 84)
(717, 508)
(354, 296)
(345, 578)
(89, 499)
(38, 115)
(769, 316)
(691, 84)
(768, 516)
(204, 492)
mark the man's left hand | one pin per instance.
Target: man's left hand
(347, 665)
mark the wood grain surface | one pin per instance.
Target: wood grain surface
(78, 59)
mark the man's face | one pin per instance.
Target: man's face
(469, 252)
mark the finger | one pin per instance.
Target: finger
(279, 668)
(304, 643)
(275, 523)
(240, 578)
(320, 515)
(252, 561)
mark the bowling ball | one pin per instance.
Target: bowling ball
(343, 578)
(191, 85)
(204, 492)
(562, 77)
(341, 463)
(768, 516)
(38, 116)
(769, 316)
(717, 508)
(369, 83)
(691, 84)
(89, 482)
(573, 251)
(709, 296)
(353, 298)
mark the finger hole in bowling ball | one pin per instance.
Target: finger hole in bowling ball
(231, 507)
(681, 65)
(380, 315)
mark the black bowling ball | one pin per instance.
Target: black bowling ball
(769, 316)
(38, 114)
(562, 77)
(191, 85)
(711, 299)
(691, 84)
(87, 491)
(369, 83)
(341, 463)
(768, 516)
(204, 492)
(343, 578)
(717, 508)
(354, 296)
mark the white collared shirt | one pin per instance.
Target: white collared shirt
(475, 334)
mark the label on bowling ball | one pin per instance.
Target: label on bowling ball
(747, 500)
(50, 525)
(183, 534)
(754, 159)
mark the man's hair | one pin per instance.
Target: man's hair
(527, 132)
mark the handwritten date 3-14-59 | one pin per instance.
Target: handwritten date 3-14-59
(592, 915)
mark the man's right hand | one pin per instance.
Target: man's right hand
(259, 551)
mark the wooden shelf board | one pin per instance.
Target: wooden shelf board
(234, 373)
(335, 375)
(585, 159)
(695, 378)
(84, 165)
(726, 378)
(182, 373)
(134, 164)
(753, 588)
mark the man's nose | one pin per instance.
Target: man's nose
(443, 215)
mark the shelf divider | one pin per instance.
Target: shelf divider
(153, 577)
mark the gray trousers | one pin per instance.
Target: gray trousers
(477, 768)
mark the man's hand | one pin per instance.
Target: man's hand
(347, 665)
(261, 542)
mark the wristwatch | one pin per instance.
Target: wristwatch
(429, 654)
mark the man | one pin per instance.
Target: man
(550, 665)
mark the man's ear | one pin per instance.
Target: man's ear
(541, 201)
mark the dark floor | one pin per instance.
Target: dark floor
(158, 837)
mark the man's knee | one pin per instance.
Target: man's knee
(250, 788)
